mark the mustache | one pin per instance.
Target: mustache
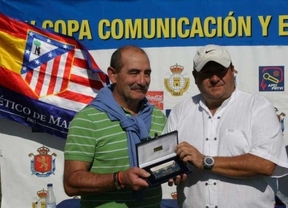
(139, 87)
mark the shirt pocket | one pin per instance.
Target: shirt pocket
(233, 142)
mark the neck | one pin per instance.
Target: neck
(130, 106)
(213, 106)
(133, 113)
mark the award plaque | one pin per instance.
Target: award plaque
(157, 156)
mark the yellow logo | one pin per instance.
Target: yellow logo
(176, 84)
(40, 203)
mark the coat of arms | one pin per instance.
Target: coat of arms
(176, 84)
(43, 164)
(40, 200)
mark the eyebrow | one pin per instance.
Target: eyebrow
(134, 69)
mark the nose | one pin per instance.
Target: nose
(141, 79)
(214, 79)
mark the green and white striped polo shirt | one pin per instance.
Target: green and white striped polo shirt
(94, 138)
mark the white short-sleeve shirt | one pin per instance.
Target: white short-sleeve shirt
(245, 123)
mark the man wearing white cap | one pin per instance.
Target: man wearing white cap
(232, 139)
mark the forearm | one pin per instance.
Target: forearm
(79, 180)
(243, 166)
(86, 182)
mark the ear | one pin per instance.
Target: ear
(233, 69)
(112, 74)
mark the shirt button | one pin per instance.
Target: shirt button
(214, 183)
(206, 184)
(215, 138)
(207, 139)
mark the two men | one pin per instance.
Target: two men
(231, 139)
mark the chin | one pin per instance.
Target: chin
(139, 97)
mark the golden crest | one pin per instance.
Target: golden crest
(41, 194)
(176, 84)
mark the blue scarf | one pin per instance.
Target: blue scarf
(136, 127)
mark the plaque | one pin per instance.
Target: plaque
(165, 169)
(157, 156)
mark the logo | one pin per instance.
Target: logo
(174, 195)
(47, 64)
(155, 98)
(43, 164)
(40, 201)
(209, 51)
(176, 84)
(271, 78)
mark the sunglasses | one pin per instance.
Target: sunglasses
(219, 70)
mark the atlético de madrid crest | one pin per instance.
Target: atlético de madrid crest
(43, 164)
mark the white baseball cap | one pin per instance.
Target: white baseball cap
(211, 53)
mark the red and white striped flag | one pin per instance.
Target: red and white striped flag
(42, 73)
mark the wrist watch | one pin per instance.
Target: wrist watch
(208, 162)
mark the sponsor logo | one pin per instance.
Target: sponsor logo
(271, 78)
(176, 84)
(156, 98)
(40, 200)
(43, 164)
(209, 51)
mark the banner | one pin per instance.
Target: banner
(254, 32)
(45, 77)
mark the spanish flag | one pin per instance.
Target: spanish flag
(45, 77)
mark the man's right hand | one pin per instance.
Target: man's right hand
(134, 178)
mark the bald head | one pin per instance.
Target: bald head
(116, 61)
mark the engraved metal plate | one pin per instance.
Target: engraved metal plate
(165, 169)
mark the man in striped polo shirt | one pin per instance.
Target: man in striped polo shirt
(100, 153)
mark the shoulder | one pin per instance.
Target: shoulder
(157, 111)
(89, 111)
(253, 99)
(180, 111)
(88, 116)
(158, 114)
(187, 103)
